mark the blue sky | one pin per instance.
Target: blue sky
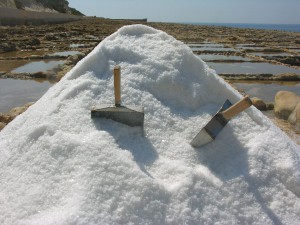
(214, 11)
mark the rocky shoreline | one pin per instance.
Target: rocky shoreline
(32, 43)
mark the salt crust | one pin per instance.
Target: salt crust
(59, 166)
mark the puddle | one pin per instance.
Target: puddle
(216, 49)
(210, 46)
(251, 68)
(250, 48)
(207, 45)
(90, 37)
(15, 93)
(9, 65)
(34, 67)
(76, 45)
(267, 90)
(66, 53)
(22, 54)
(271, 54)
(211, 57)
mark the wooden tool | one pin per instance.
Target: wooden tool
(117, 85)
(130, 115)
(218, 122)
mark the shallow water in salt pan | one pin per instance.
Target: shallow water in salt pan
(270, 54)
(33, 67)
(209, 44)
(251, 68)
(76, 45)
(267, 90)
(66, 53)
(15, 93)
(9, 65)
(22, 54)
(214, 49)
(210, 57)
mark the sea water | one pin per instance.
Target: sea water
(281, 27)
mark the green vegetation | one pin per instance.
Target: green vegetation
(76, 12)
(58, 5)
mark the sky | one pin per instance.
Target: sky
(196, 11)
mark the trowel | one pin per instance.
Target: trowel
(129, 115)
(219, 121)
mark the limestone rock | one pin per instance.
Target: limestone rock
(73, 59)
(19, 110)
(2, 125)
(285, 103)
(294, 118)
(51, 37)
(7, 47)
(34, 41)
(27, 105)
(270, 106)
(5, 118)
(259, 103)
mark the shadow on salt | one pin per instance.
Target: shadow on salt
(130, 139)
(224, 165)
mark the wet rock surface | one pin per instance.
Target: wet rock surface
(7, 47)
(262, 77)
(290, 60)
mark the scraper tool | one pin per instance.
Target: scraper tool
(129, 115)
(218, 122)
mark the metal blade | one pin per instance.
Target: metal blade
(129, 115)
(201, 138)
(212, 129)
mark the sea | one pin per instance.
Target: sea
(281, 27)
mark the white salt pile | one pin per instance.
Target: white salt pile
(59, 166)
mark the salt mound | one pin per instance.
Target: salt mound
(59, 166)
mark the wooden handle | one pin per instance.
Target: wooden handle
(237, 108)
(117, 85)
